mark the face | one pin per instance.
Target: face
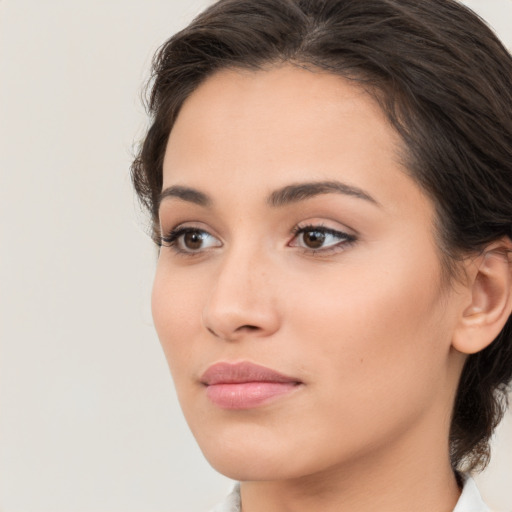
(298, 293)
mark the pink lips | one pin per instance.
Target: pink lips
(245, 385)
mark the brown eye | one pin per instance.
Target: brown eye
(321, 239)
(193, 240)
(190, 240)
(313, 239)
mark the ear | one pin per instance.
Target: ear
(490, 294)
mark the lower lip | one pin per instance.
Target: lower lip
(247, 395)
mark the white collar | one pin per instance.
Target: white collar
(469, 501)
(231, 502)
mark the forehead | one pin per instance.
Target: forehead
(283, 109)
(261, 130)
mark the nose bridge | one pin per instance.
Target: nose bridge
(242, 298)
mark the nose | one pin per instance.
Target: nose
(242, 302)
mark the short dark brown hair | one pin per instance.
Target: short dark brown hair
(443, 79)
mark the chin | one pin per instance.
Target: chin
(262, 455)
(242, 466)
(250, 456)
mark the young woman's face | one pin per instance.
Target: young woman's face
(294, 240)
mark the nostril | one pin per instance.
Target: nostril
(241, 329)
(248, 328)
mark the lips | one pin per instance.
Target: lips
(245, 385)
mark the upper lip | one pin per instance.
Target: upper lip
(238, 373)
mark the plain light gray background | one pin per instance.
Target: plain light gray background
(89, 421)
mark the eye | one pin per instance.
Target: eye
(317, 238)
(190, 240)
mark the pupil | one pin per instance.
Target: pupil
(193, 240)
(314, 239)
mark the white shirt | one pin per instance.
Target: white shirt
(469, 501)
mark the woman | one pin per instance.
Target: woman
(330, 185)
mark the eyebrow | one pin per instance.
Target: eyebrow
(289, 194)
(301, 191)
(185, 194)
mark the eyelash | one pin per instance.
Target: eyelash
(172, 239)
(346, 240)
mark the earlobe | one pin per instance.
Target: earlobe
(490, 282)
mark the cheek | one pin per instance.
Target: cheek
(175, 306)
(377, 332)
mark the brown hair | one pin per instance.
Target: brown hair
(444, 81)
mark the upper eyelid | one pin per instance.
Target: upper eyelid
(330, 231)
(179, 230)
(186, 226)
(319, 227)
(296, 229)
(343, 231)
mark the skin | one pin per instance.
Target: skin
(366, 325)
